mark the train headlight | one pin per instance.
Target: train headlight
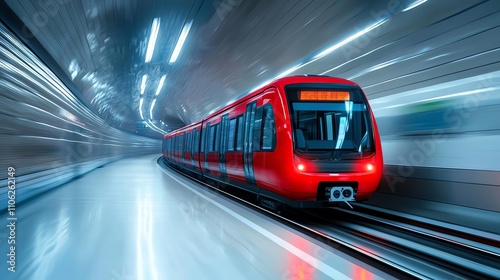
(301, 167)
(369, 167)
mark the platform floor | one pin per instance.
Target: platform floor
(133, 220)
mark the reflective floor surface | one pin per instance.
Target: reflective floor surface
(133, 220)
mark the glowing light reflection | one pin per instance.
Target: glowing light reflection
(151, 109)
(160, 85)
(143, 83)
(140, 107)
(180, 42)
(414, 5)
(155, 27)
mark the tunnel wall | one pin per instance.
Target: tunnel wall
(47, 135)
(441, 151)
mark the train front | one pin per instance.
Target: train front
(337, 149)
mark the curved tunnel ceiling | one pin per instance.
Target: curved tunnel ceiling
(234, 46)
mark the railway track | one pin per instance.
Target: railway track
(426, 250)
(401, 246)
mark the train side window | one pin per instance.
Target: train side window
(183, 136)
(239, 133)
(217, 137)
(193, 144)
(193, 141)
(224, 133)
(190, 146)
(211, 139)
(232, 132)
(203, 139)
(257, 129)
(196, 141)
(269, 129)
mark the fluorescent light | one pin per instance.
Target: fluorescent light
(285, 73)
(349, 39)
(160, 85)
(325, 52)
(415, 4)
(332, 48)
(151, 109)
(180, 43)
(140, 107)
(155, 26)
(143, 83)
(155, 128)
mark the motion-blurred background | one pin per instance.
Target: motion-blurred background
(87, 82)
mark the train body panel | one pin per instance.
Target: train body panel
(298, 140)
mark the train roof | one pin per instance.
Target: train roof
(298, 79)
(281, 82)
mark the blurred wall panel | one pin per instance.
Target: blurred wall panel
(46, 134)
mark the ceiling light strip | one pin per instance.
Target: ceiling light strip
(140, 107)
(151, 109)
(180, 42)
(143, 83)
(160, 85)
(414, 5)
(155, 27)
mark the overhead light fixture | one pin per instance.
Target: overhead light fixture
(180, 43)
(287, 72)
(349, 39)
(155, 128)
(155, 26)
(414, 5)
(326, 52)
(143, 83)
(151, 109)
(140, 107)
(331, 49)
(160, 85)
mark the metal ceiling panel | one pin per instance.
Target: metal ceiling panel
(236, 45)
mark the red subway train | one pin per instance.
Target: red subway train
(302, 141)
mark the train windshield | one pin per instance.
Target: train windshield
(334, 122)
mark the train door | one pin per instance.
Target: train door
(248, 143)
(223, 146)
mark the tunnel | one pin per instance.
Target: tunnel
(249, 139)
